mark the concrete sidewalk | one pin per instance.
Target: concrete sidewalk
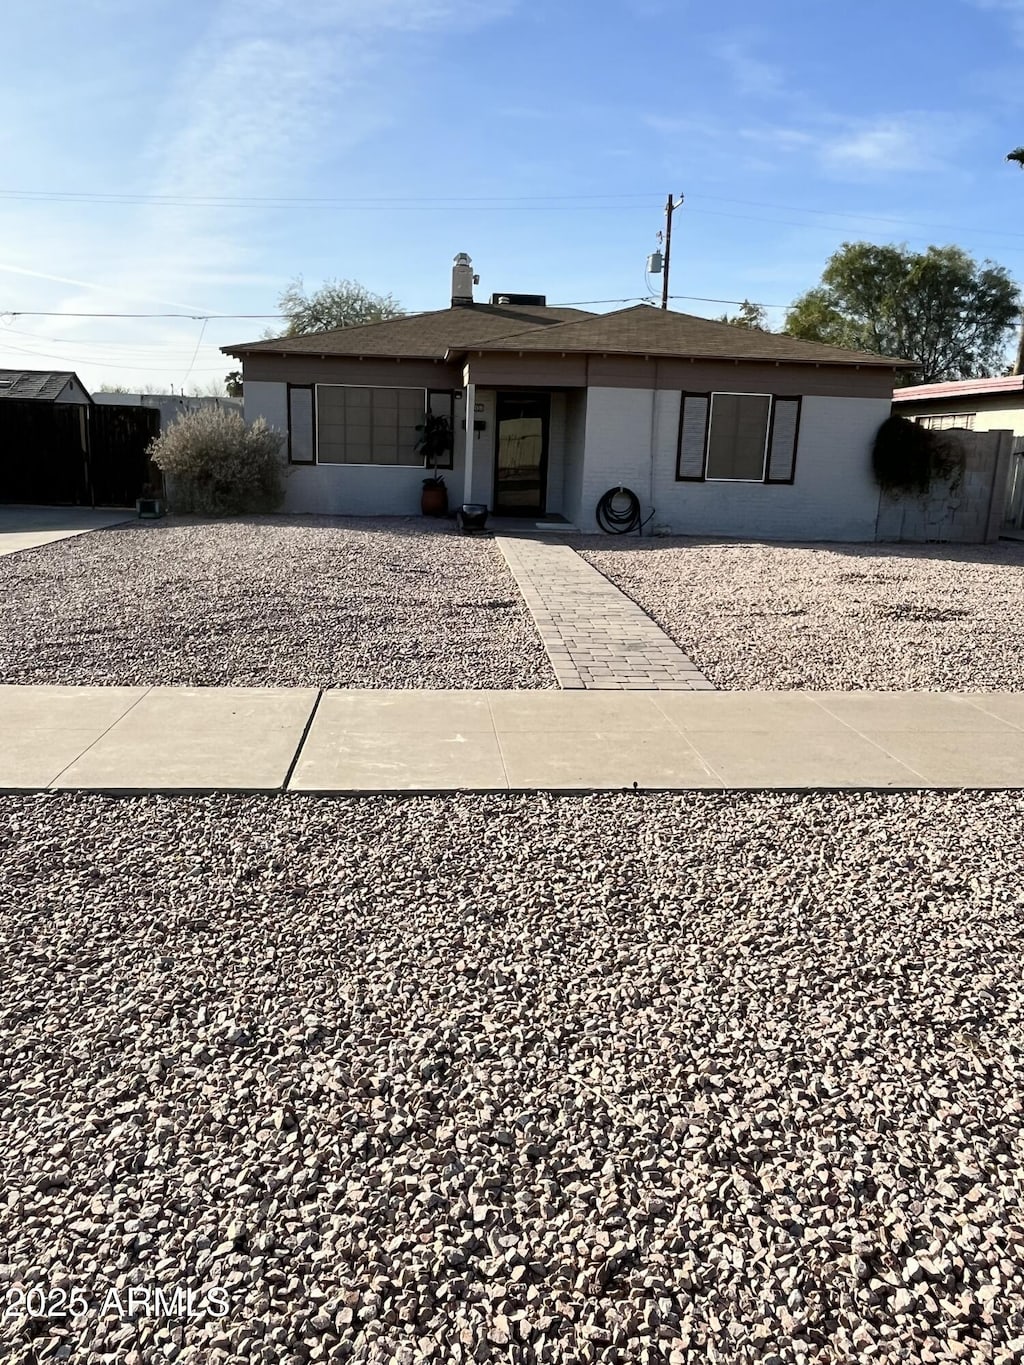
(25, 528)
(124, 739)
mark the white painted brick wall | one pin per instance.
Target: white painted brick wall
(354, 490)
(482, 490)
(555, 496)
(575, 442)
(834, 495)
(261, 398)
(618, 448)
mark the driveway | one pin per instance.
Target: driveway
(23, 528)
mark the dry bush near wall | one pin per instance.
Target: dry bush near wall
(216, 465)
(908, 458)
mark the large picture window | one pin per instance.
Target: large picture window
(737, 438)
(367, 425)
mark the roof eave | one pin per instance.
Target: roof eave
(859, 362)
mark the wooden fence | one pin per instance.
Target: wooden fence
(969, 508)
(1013, 515)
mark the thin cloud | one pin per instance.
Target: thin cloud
(1013, 11)
(249, 108)
(858, 149)
(750, 75)
(780, 136)
(104, 287)
(909, 143)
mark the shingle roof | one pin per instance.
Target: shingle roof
(425, 336)
(449, 333)
(44, 384)
(644, 330)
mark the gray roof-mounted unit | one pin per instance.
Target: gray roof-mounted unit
(533, 300)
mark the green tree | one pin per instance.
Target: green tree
(938, 307)
(1017, 155)
(233, 383)
(751, 315)
(336, 304)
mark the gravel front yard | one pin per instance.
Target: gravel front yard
(832, 617)
(290, 602)
(618, 1079)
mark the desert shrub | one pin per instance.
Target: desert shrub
(907, 457)
(215, 465)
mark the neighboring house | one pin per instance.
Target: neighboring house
(44, 386)
(974, 404)
(169, 405)
(719, 430)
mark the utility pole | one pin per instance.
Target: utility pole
(670, 208)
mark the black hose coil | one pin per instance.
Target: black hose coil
(618, 523)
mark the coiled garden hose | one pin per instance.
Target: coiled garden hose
(617, 522)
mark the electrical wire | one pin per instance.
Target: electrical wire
(280, 317)
(487, 203)
(107, 364)
(175, 200)
(529, 202)
(96, 341)
(188, 317)
(202, 333)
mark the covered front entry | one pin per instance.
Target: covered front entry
(522, 423)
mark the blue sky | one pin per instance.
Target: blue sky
(183, 157)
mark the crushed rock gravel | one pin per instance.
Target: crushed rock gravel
(269, 601)
(831, 617)
(514, 1079)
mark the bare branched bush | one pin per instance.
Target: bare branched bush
(215, 465)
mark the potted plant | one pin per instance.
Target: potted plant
(434, 443)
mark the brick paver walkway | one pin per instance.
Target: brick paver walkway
(594, 635)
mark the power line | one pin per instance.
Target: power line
(110, 344)
(486, 203)
(191, 365)
(367, 199)
(853, 214)
(188, 317)
(212, 317)
(107, 364)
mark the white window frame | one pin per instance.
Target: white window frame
(726, 393)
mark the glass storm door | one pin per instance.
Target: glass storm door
(521, 453)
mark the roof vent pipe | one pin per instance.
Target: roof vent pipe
(463, 280)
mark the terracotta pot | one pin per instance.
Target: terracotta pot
(434, 502)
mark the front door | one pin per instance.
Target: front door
(521, 453)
